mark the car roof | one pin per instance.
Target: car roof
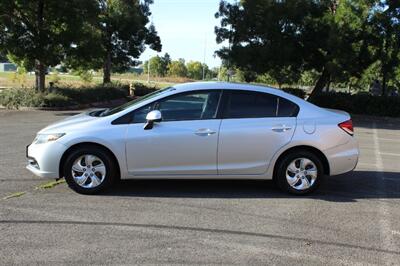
(212, 85)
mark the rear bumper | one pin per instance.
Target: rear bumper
(44, 159)
(343, 158)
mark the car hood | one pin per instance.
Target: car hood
(69, 124)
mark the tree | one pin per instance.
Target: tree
(119, 36)
(37, 34)
(3, 57)
(177, 68)
(266, 36)
(123, 25)
(194, 70)
(158, 65)
(166, 60)
(386, 27)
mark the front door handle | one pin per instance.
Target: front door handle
(204, 132)
(281, 128)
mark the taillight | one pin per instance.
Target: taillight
(347, 126)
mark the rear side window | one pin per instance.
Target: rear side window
(248, 104)
(286, 108)
(251, 104)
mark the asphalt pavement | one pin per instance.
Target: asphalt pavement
(353, 218)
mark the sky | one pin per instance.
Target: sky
(186, 29)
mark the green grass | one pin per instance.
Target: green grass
(15, 195)
(9, 80)
(50, 184)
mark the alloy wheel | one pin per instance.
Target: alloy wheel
(88, 171)
(301, 174)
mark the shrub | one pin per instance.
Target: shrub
(295, 91)
(62, 96)
(15, 98)
(360, 103)
(54, 78)
(97, 93)
(56, 100)
(143, 89)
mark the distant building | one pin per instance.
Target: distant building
(8, 67)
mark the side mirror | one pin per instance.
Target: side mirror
(152, 117)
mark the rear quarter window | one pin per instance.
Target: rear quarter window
(287, 108)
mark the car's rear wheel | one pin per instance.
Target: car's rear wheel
(299, 172)
(89, 170)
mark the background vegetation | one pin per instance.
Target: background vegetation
(328, 51)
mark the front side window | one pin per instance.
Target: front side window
(189, 106)
(139, 115)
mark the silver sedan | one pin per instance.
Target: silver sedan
(205, 130)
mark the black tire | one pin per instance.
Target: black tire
(109, 163)
(280, 178)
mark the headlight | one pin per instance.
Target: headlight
(44, 138)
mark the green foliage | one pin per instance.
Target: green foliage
(265, 79)
(177, 68)
(308, 78)
(62, 96)
(55, 78)
(20, 76)
(120, 32)
(15, 98)
(142, 89)
(194, 70)
(286, 38)
(360, 103)
(56, 100)
(85, 75)
(157, 66)
(3, 57)
(98, 93)
(295, 91)
(386, 29)
(39, 33)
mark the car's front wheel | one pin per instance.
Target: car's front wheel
(89, 170)
(299, 172)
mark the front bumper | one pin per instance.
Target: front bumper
(343, 158)
(44, 159)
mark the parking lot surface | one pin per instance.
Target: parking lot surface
(353, 218)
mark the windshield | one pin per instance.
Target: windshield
(134, 102)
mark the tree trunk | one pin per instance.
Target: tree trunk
(321, 83)
(107, 69)
(40, 69)
(328, 86)
(40, 76)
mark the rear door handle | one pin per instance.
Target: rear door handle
(204, 132)
(281, 128)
